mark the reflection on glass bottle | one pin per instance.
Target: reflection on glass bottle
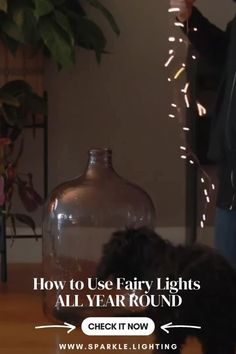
(80, 217)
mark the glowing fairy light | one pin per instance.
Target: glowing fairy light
(186, 101)
(173, 9)
(179, 72)
(179, 24)
(201, 109)
(169, 61)
(186, 87)
(176, 107)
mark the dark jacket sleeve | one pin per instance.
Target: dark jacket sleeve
(208, 40)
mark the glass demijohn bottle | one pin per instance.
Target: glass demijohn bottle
(80, 217)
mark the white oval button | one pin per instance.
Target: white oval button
(118, 326)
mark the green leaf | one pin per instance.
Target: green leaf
(27, 220)
(16, 87)
(59, 2)
(18, 17)
(71, 8)
(10, 115)
(12, 30)
(57, 42)
(90, 36)
(42, 8)
(106, 13)
(29, 27)
(63, 22)
(25, 20)
(3, 5)
(11, 44)
(8, 99)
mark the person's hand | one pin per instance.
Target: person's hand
(185, 7)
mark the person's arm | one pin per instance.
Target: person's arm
(209, 40)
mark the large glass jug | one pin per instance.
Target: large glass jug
(80, 217)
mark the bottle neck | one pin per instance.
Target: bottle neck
(100, 160)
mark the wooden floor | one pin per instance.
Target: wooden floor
(21, 311)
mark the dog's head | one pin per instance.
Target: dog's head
(131, 253)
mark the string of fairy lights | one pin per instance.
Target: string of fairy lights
(182, 102)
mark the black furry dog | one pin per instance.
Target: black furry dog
(144, 255)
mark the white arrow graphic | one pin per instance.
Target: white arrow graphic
(167, 326)
(69, 326)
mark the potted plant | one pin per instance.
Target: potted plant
(57, 26)
(19, 105)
